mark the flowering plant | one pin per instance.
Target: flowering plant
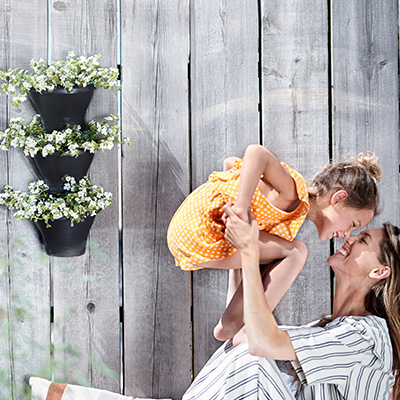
(72, 72)
(78, 201)
(33, 139)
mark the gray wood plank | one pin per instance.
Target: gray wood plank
(86, 288)
(29, 300)
(224, 120)
(365, 90)
(295, 128)
(5, 343)
(157, 295)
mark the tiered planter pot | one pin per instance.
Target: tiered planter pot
(60, 107)
(53, 167)
(64, 240)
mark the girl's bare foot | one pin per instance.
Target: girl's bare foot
(240, 337)
(224, 332)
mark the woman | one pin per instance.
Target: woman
(351, 355)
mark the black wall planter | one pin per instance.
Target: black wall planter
(53, 167)
(64, 240)
(60, 107)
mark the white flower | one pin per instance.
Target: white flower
(30, 142)
(14, 120)
(56, 214)
(48, 149)
(60, 137)
(15, 142)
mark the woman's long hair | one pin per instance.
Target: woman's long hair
(384, 297)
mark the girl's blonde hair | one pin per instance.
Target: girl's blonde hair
(358, 176)
(384, 297)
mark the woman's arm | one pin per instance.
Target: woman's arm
(260, 162)
(264, 336)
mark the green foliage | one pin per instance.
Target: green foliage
(72, 72)
(33, 139)
(78, 201)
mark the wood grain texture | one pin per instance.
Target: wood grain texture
(86, 288)
(224, 120)
(155, 170)
(365, 90)
(5, 342)
(29, 283)
(295, 127)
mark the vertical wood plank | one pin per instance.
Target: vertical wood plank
(28, 274)
(295, 119)
(155, 180)
(86, 288)
(224, 115)
(365, 90)
(5, 354)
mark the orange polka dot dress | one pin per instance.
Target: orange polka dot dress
(195, 234)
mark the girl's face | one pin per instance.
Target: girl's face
(339, 220)
(359, 255)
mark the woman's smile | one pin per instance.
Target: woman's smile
(343, 251)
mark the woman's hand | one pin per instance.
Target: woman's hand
(240, 233)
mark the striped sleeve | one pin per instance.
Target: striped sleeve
(344, 351)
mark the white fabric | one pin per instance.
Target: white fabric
(232, 373)
(41, 386)
(350, 358)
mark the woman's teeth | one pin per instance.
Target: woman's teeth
(343, 252)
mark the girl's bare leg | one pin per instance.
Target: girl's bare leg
(277, 280)
(228, 162)
(234, 280)
(235, 275)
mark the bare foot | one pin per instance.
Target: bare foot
(240, 337)
(224, 332)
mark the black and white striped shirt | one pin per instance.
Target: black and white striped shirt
(350, 358)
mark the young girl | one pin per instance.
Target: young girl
(342, 197)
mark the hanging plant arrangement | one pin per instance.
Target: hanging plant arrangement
(32, 138)
(68, 151)
(67, 74)
(78, 201)
(61, 145)
(63, 219)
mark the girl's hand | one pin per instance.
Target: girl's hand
(242, 234)
(242, 213)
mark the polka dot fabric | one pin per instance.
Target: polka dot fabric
(195, 234)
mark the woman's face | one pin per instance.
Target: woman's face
(359, 254)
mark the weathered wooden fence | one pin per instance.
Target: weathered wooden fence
(311, 80)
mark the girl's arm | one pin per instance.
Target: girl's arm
(259, 162)
(264, 336)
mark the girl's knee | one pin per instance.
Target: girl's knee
(228, 162)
